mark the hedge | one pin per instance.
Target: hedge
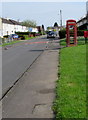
(62, 33)
(24, 33)
(29, 33)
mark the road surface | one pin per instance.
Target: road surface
(34, 93)
(18, 58)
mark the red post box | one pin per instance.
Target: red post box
(71, 33)
(85, 34)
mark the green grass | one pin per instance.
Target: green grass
(81, 40)
(71, 87)
(28, 38)
(16, 41)
(10, 43)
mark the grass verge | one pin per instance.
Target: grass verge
(16, 41)
(71, 87)
(10, 43)
(81, 41)
(28, 38)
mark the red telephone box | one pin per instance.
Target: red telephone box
(71, 33)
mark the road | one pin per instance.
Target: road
(33, 95)
(18, 58)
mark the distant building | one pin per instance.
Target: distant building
(50, 28)
(53, 28)
(9, 26)
(39, 28)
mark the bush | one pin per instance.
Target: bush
(80, 32)
(33, 33)
(22, 33)
(40, 33)
(3, 40)
(21, 37)
(5, 36)
(62, 34)
(37, 34)
(30, 34)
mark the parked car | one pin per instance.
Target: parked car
(13, 36)
(51, 34)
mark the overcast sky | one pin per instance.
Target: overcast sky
(46, 13)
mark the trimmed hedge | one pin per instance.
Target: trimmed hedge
(23, 33)
(80, 32)
(29, 33)
(62, 33)
(6, 36)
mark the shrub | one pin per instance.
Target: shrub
(40, 33)
(22, 33)
(22, 37)
(80, 32)
(5, 36)
(62, 34)
(37, 34)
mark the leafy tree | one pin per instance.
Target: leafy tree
(29, 23)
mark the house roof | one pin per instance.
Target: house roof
(15, 22)
(9, 21)
(82, 19)
(6, 21)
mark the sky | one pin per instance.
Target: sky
(46, 13)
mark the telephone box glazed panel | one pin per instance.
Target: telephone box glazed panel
(71, 33)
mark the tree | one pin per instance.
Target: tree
(55, 24)
(29, 23)
(43, 27)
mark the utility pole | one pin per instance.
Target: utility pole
(61, 18)
(87, 13)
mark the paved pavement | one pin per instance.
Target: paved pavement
(33, 95)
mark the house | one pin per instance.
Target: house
(40, 29)
(31, 29)
(82, 23)
(0, 27)
(9, 26)
(36, 29)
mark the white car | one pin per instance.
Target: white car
(51, 34)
